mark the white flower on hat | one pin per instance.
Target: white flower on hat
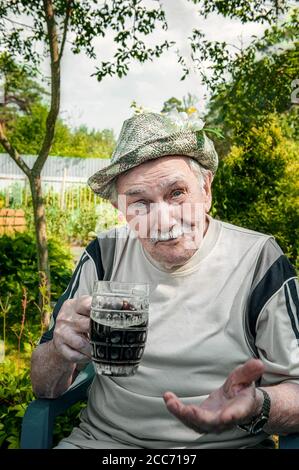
(186, 120)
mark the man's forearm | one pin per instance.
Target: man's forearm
(51, 374)
(284, 413)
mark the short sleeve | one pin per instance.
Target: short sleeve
(272, 315)
(277, 330)
(89, 269)
(277, 335)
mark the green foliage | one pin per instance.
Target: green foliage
(80, 220)
(18, 268)
(20, 91)
(256, 185)
(82, 142)
(25, 112)
(258, 89)
(64, 424)
(227, 62)
(83, 225)
(108, 217)
(26, 132)
(15, 395)
(127, 21)
(59, 221)
(187, 102)
(245, 10)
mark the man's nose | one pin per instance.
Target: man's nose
(162, 216)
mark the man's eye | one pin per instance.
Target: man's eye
(140, 206)
(177, 192)
(137, 203)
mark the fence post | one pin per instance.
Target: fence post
(63, 188)
(7, 194)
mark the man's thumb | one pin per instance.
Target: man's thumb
(244, 375)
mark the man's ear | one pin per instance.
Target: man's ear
(208, 191)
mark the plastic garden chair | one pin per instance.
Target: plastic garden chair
(39, 419)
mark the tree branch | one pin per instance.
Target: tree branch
(13, 152)
(55, 87)
(65, 27)
(22, 103)
(19, 24)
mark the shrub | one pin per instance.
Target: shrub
(18, 270)
(256, 185)
(16, 394)
(83, 223)
(83, 216)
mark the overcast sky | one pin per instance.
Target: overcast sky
(107, 104)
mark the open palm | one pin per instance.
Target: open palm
(236, 402)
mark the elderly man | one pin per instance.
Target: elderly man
(221, 364)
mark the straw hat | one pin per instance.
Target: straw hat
(147, 136)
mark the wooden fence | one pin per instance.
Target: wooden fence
(11, 221)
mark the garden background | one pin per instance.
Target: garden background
(251, 97)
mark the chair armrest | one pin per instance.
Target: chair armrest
(38, 421)
(291, 441)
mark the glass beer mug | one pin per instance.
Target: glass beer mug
(118, 326)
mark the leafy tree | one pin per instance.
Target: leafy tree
(48, 25)
(26, 130)
(256, 185)
(184, 104)
(82, 142)
(20, 91)
(51, 22)
(259, 11)
(223, 56)
(219, 53)
(261, 81)
(172, 103)
(24, 113)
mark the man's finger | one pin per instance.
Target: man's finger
(81, 305)
(196, 418)
(80, 344)
(72, 355)
(172, 402)
(80, 323)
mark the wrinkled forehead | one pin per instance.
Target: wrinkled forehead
(158, 173)
(160, 183)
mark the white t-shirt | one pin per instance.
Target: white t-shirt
(236, 298)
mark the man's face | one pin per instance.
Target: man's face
(165, 205)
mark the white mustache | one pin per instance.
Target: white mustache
(175, 232)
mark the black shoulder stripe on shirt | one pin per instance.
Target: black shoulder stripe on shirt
(75, 287)
(69, 292)
(291, 313)
(294, 294)
(278, 273)
(94, 252)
